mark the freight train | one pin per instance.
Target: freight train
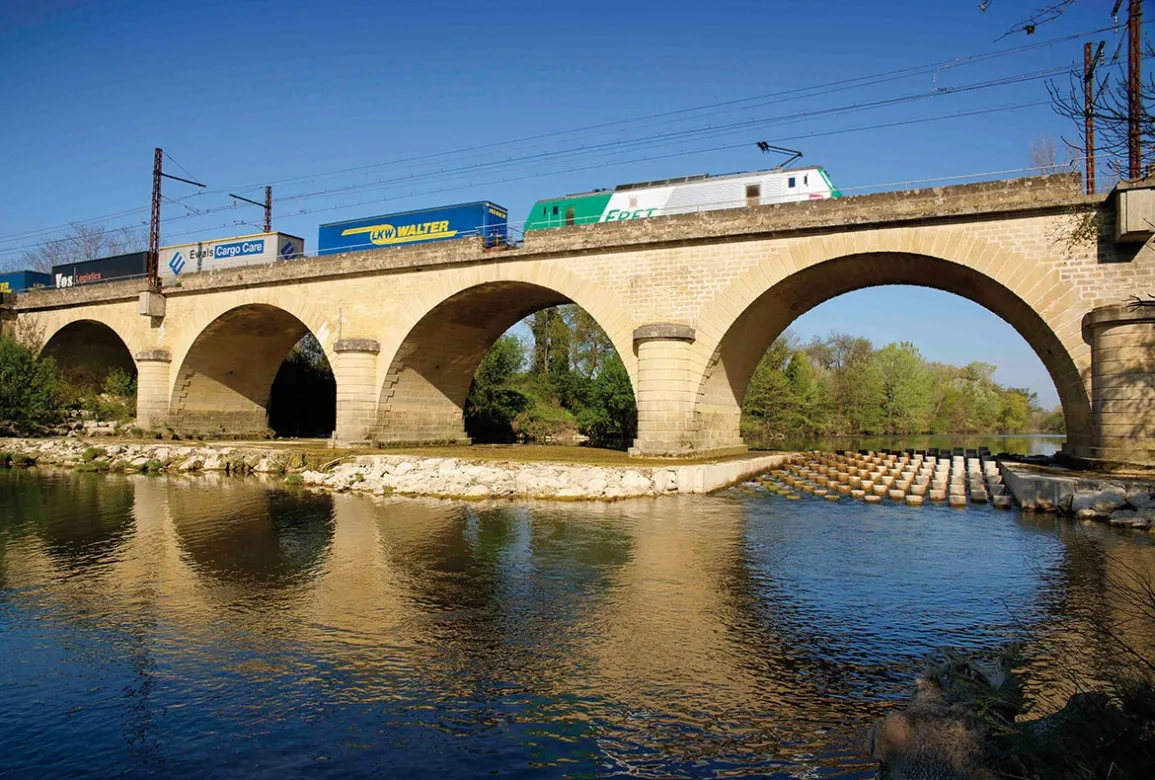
(483, 218)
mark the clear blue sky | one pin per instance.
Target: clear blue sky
(244, 93)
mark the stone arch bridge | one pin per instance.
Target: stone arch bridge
(690, 301)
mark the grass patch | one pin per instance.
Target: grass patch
(556, 453)
(92, 453)
(94, 466)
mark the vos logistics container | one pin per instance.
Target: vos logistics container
(415, 227)
(174, 261)
(101, 270)
(19, 281)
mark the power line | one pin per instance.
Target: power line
(815, 90)
(579, 168)
(883, 125)
(611, 147)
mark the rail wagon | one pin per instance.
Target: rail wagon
(681, 195)
(484, 219)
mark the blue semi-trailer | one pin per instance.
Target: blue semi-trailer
(20, 281)
(484, 219)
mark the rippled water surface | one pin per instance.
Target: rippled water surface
(223, 628)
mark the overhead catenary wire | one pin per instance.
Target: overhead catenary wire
(802, 92)
(620, 146)
(883, 125)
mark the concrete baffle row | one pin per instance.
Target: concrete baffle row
(874, 477)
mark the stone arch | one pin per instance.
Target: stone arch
(225, 376)
(740, 324)
(444, 335)
(89, 350)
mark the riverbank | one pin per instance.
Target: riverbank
(457, 473)
(1121, 499)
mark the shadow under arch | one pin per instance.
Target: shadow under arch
(732, 364)
(423, 393)
(87, 351)
(225, 380)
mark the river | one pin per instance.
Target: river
(193, 627)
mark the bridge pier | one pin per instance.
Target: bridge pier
(152, 377)
(356, 374)
(665, 390)
(1122, 382)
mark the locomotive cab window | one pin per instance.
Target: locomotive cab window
(791, 182)
(753, 194)
(555, 211)
(805, 180)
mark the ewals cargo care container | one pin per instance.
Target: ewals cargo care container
(175, 261)
(416, 227)
(101, 270)
(19, 281)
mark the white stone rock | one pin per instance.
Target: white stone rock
(1091, 504)
(1131, 518)
(477, 491)
(402, 469)
(596, 486)
(662, 479)
(447, 466)
(632, 480)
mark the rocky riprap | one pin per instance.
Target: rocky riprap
(457, 478)
(373, 474)
(1113, 504)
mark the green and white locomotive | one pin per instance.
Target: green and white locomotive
(682, 195)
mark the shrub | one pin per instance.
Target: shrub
(119, 383)
(91, 454)
(32, 393)
(152, 467)
(544, 421)
(94, 466)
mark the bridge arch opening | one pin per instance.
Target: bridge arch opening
(88, 351)
(467, 367)
(254, 371)
(733, 362)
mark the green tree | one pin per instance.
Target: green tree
(905, 402)
(1015, 409)
(32, 392)
(492, 404)
(611, 418)
(852, 381)
(805, 395)
(768, 398)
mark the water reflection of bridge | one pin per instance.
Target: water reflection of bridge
(650, 607)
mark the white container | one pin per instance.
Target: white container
(259, 249)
